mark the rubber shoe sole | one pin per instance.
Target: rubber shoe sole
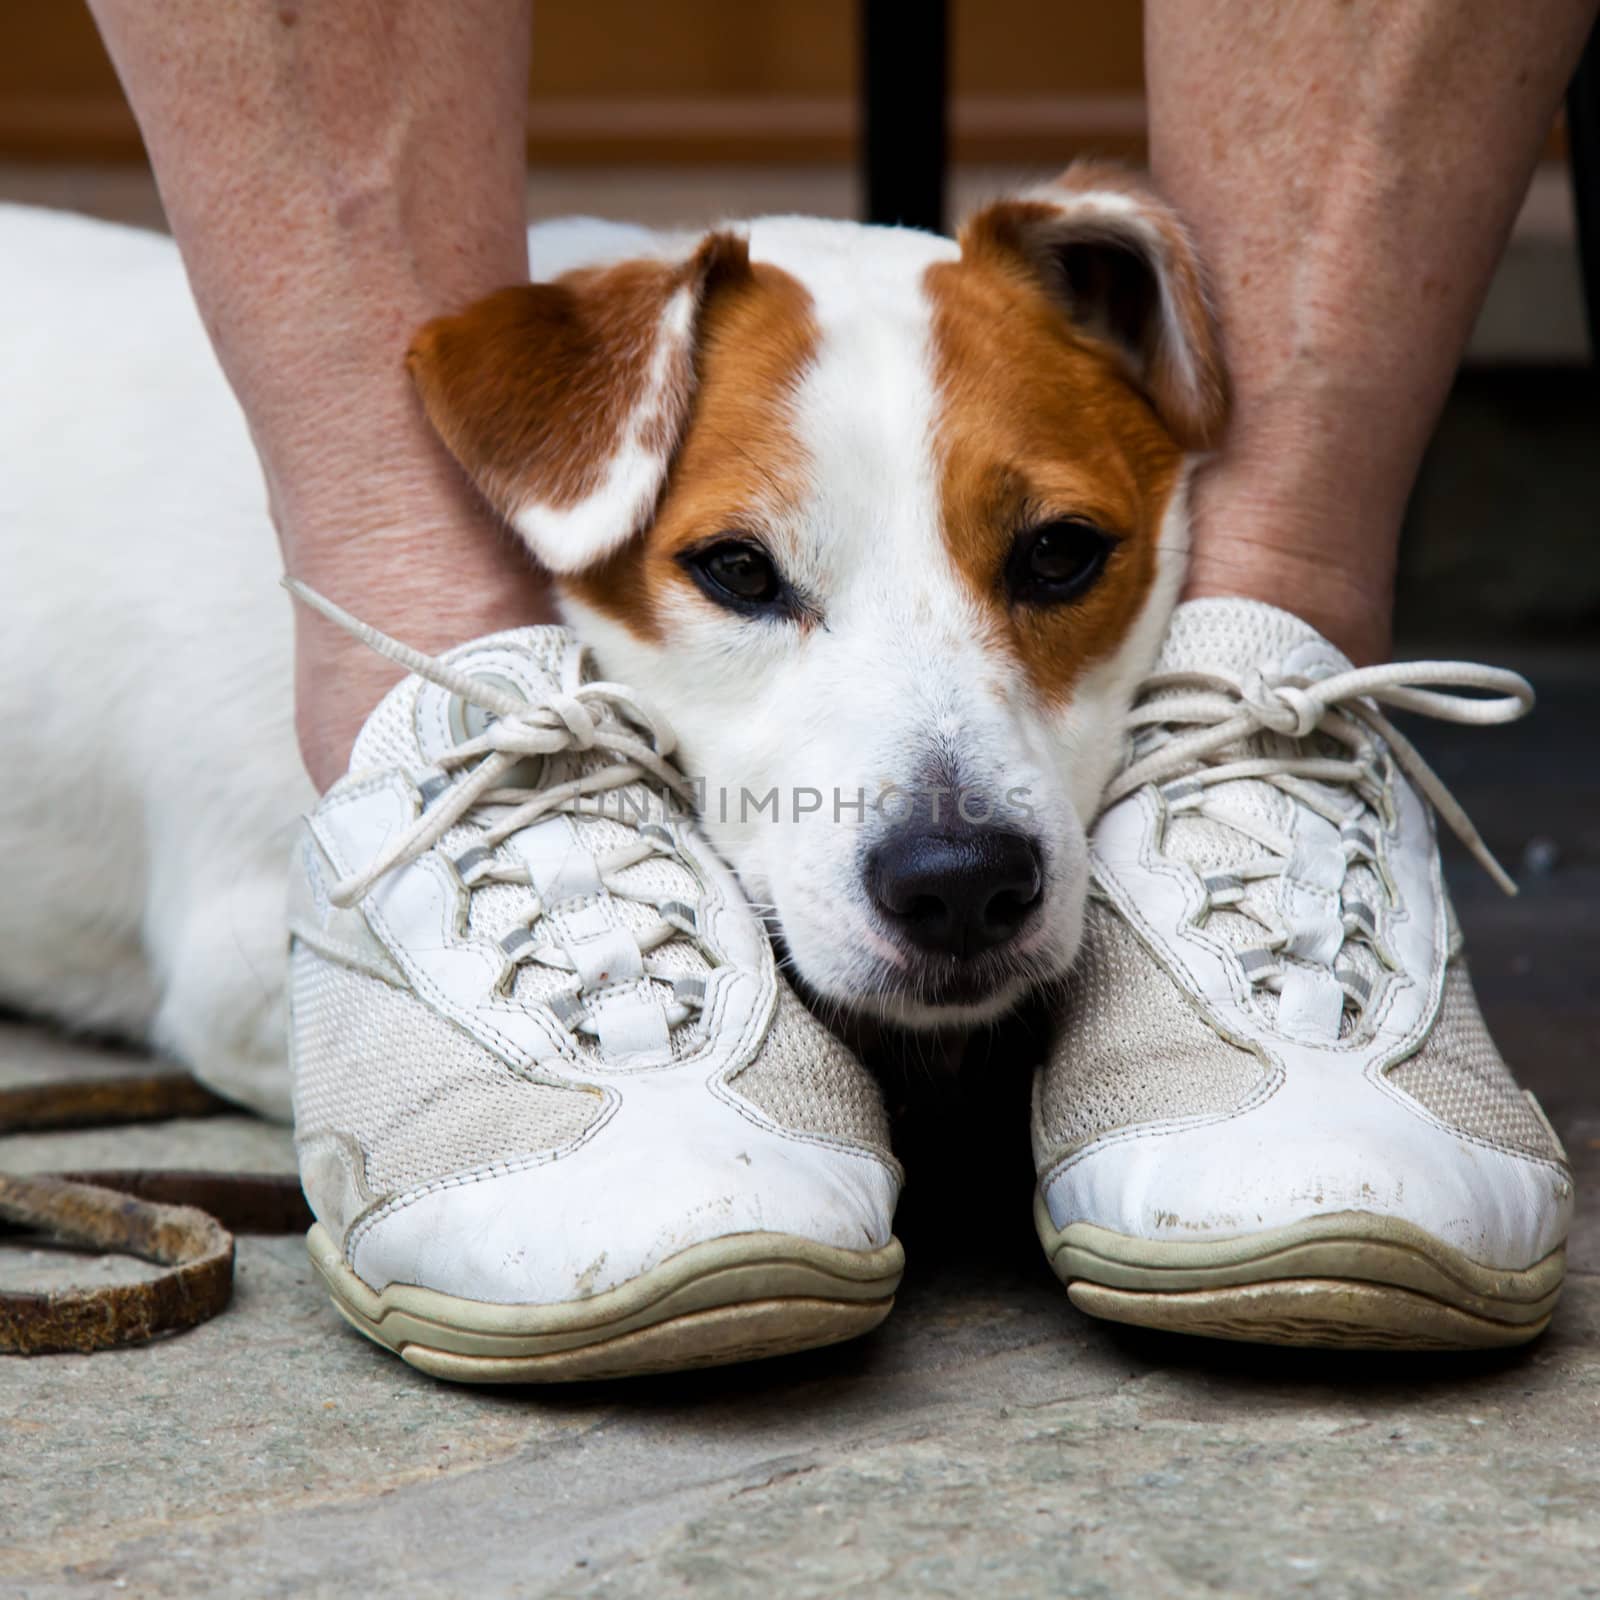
(1352, 1281)
(742, 1298)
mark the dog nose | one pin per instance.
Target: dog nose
(956, 893)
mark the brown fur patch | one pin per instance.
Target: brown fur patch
(738, 459)
(1038, 422)
(1128, 276)
(533, 388)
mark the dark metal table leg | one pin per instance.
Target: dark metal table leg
(904, 74)
(1583, 134)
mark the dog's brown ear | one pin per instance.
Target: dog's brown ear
(1119, 261)
(565, 401)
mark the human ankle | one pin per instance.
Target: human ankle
(1294, 534)
(1348, 613)
(430, 583)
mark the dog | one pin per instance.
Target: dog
(888, 525)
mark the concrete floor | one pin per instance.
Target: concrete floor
(987, 1437)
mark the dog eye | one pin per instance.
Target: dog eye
(1057, 561)
(737, 573)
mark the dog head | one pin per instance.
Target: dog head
(889, 526)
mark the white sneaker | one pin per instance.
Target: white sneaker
(1274, 1112)
(557, 1115)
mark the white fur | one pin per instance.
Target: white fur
(900, 676)
(146, 739)
(151, 773)
(571, 537)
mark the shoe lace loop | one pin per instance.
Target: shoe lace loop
(1224, 711)
(582, 717)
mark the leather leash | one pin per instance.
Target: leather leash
(184, 1221)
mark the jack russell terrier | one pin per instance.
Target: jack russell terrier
(864, 512)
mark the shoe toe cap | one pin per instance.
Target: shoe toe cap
(638, 1190)
(1288, 1159)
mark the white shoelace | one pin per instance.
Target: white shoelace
(581, 717)
(1218, 711)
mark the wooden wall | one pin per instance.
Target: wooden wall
(679, 80)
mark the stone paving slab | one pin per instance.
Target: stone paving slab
(224, 1144)
(989, 1435)
(30, 1054)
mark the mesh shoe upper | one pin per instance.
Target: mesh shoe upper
(1457, 1076)
(1132, 1050)
(417, 1095)
(1272, 1018)
(534, 979)
(589, 868)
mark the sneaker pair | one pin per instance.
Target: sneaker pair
(559, 1116)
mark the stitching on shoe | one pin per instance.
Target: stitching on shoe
(427, 989)
(460, 1180)
(720, 1084)
(1264, 1091)
(1513, 1152)
(1157, 864)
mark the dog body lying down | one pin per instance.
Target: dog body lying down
(888, 527)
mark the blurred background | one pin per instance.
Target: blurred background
(682, 111)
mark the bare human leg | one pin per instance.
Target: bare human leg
(1351, 171)
(335, 176)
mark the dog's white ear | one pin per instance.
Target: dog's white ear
(565, 401)
(1119, 261)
